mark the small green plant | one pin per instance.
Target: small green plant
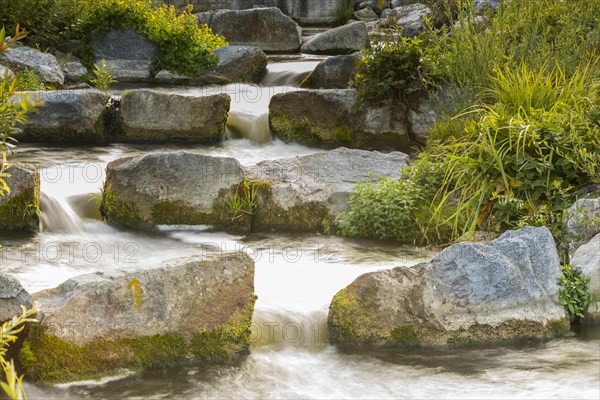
(243, 201)
(102, 76)
(28, 80)
(574, 294)
(11, 383)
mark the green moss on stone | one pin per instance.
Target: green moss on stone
(222, 342)
(48, 359)
(120, 212)
(22, 212)
(349, 321)
(404, 335)
(302, 130)
(558, 327)
(268, 216)
(344, 135)
(167, 213)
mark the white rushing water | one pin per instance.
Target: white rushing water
(296, 277)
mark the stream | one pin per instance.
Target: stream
(296, 277)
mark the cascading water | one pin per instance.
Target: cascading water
(296, 277)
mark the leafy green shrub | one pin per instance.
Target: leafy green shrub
(574, 294)
(521, 159)
(394, 71)
(49, 22)
(12, 111)
(393, 209)
(522, 133)
(185, 47)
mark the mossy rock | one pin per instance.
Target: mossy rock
(20, 209)
(504, 290)
(172, 189)
(67, 116)
(195, 308)
(329, 118)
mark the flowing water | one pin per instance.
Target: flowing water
(296, 277)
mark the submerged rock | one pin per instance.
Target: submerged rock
(266, 28)
(307, 193)
(197, 308)
(20, 209)
(43, 64)
(341, 40)
(333, 73)
(470, 292)
(67, 116)
(12, 297)
(156, 116)
(169, 188)
(328, 117)
(236, 64)
(587, 259)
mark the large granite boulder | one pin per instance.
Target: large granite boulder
(333, 73)
(43, 64)
(66, 116)
(307, 193)
(155, 116)
(587, 259)
(266, 28)
(582, 221)
(328, 117)
(236, 64)
(470, 292)
(341, 40)
(12, 297)
(129, 54)
(20, 208)
(169, 188)
(197, 308)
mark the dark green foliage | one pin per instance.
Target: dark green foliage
(574, 294)
(396, 71)
(185, 47)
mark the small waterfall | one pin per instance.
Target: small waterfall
(279, 328)
(56, 218)
(249, 126)
(288, 73)
(68, 195)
